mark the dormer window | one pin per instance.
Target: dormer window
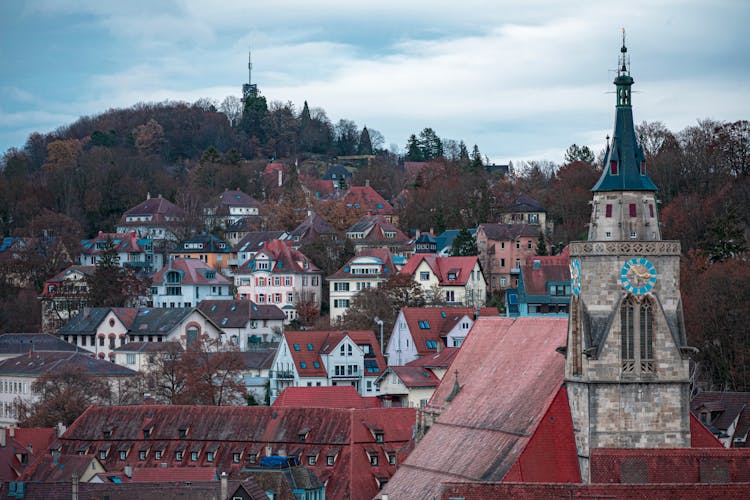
(378, 437)
(107, 434)
(183, 432)
(210, 275)
(173, 277)
(451, 276)
(613, 167)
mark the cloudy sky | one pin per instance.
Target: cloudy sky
(523, 79)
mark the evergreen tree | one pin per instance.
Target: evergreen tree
(464, 244)
(413, 150)
(541, 245)
(365, 145)
(579, 153)
(463, 155)
(476, 159)
(255, 117)
(430, 144)
(112, 285)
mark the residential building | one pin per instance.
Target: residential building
(132, 251)
(139, 355)
(455, 281)
(425, 243)
(726, 414)
(367, 269)
(526, 210)
(327, 358)
(184, 282)
(18, 374)
(156, 218)
(375, 231)
(207, 248)
(365, 200)
(102, 330)
(423, 332)
(256, 373)
(251, 243)
(543, 287)
(502, 249)
(65, 295)
(312, 228)
(247, 325)
(19, 448)
(15, 344)
(339, 176)
(444, 241)
(279, 275)
(230, 207)
(414, 383)
(351, 453)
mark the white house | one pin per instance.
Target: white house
(247, 325)
(456, 281)
(323, 358)
(185, 282)
(155, 218)
(413, 384)
(132, 251)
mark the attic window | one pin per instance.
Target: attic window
(107, 434)
(183, 432)
(252, 457)
(431, 344)
(296, 347)
(424, 324)
(309, 347)
(392, 459)
(210, 275)
(452, 276)
(316, 364)
(236, 457)
(442, 314)
(303, 434)
(147, 432)
(378, 437)
(302, 364)
(613, 167)
(330, 460)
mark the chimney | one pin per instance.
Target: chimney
(148, 196)
(367, 182)
(159, 195)
(281, 177)
(74, 486)
(2, 438)
(224, 486)
(128, 470)
(12, 431)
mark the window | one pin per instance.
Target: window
(142, 455)
(178, 456)
(157, 455)
(392, 459)
(311, 460)
(102, 454)
(277, 281)
(451, 276)
(287, 281)
(450, 296)
(608, 210)
(613, 167)
(236, 457)
(277, 298)
(651, 210)
(502, 262)
(330, 459)
(341, 303)
(209, 456)
(378, 437)
(528, 244)
(633, 235)
(632, 210)
(518, 244)
(424, 276)
(373, 460)
(193, 456)
(130, 358)
(637, 324)
(341, 287)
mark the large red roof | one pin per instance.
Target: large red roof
(308, 346)
(442, 267)
(194, 272)
(367, 199)
(342, 396)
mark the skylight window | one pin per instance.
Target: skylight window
(424, 324)
(302, 364)
(316, 364)
(296, 347)
(431, 344)
(309, 347)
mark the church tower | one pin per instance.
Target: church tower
(626, 368)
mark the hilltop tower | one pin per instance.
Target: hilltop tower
(249, 89)
(626, 369)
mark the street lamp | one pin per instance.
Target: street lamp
(380, 322)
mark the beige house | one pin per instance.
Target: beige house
(455, 281)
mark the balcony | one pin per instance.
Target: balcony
(282, 375)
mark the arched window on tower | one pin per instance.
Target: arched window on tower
(646, 328)
(627, 312)
(637, 324)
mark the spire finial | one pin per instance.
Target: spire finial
(624, 62)
(623, 49)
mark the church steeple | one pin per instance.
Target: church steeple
(625, 163)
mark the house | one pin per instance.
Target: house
(367, 269)
(15, 344)
(230, 206)
(17, 375)
(422, 332)
(257, 372)
(65, 295)
(247, 325)
(335, 396)
(376, 231)
(425, 243)
(20, 448)
(526, 210)
(279, 275)
(251, 243)
(444, 241)
(365, 200)
(156, 218)
(312, 228)
(726, 414)
(502, 249)
(102, 330)
(139, 355)
(132, 251)
(413, 384)
(455, 281)
(206, 247)
(185, 282)
(352, 452)
(327, 358)
(339, 175)
(543, 287)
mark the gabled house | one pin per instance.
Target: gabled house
(251, 243)
(423, 332)
(543, 287)
(414, 383)
(425, 243)
(327, 358)
(132, 251)
(19, 448)
(367, 269)
(376, 231)
(365, 200)
(350, 453)
(18, 374)
(206, 247)
(229, 207)
(312, 228)
(457, 281)
(65, 295)
(726, 414)
(156, 218)
(185, 282)
(339, 176)
(279, 275)
(247, 325)
(526, 210)
(502, 249)
(102, 330)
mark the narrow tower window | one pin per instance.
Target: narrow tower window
(613, 167)
(637, 324)
(627, 311)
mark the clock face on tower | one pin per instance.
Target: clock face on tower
(575, 276)
(638, 276)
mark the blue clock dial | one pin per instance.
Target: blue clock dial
(575, 276)
(638, 276)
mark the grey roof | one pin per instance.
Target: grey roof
(150, 347)
(261, 359)
(336, 171)
(22, 343)
(254, 240)
(236, 313)
(39, 363)
(506, 232)
(158, 320)
(525, 203)
(84, 323)
(315, 223)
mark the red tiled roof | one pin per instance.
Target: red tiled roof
(288, 260)
(193, 273)
(58, 468)
(440, 321)
(314, 343)
(122, 242)
(383, 254)
(343, 396)
(415, 376)
(442, 267)
(376, 226)
(701, 436)
(237, 198)
(169, 474)
(549, 268)
(368, 200)
(33, 442)
(482, 433)
(443, 359)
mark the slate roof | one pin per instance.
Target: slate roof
(40, 363)
(286, 259)
(150, 347)
(313, 344)
(525, 203)
(254, 240)
(375, 227)
(209, 242)
(346, 434)
(160, 209)
(342, 396)
(381, 254)
(236, 198)
(193, 271)
(337, 171)
(725, 409)
(482, 433)
(442, 267)
(237, 313)
(367, 199)
(313, 226)
(508, 232)
(22, 343)
(260, 359)
(434, 323)
(138, 321)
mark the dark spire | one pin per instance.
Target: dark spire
(625, 163)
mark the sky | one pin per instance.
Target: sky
(523, 80)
